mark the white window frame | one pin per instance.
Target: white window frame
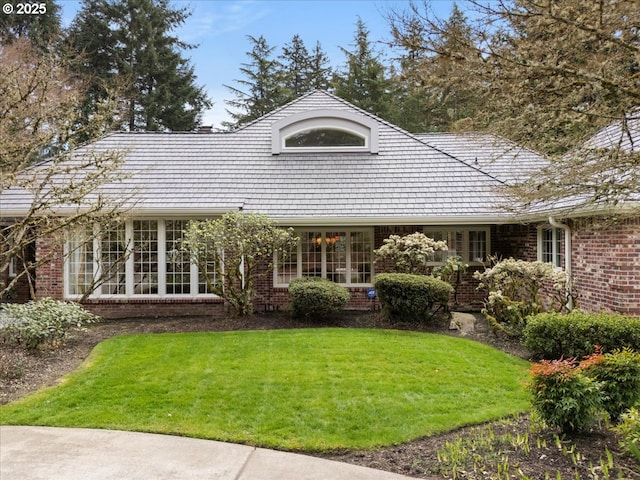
(557, 239)
(466, 230)
(344, 120)
(13, 267)
(323, 231)
(129, 269)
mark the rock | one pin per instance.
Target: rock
(463, 322)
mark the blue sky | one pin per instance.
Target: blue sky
(220, 29)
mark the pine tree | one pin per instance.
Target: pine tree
(262, 90)
(303, 71)
(127, 46)
(296, 67)
(38, 20)
(433, 71)
(319, 71)
(363, 82)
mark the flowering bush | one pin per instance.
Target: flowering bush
(451, 272)
(411, 253)
(516, 291)
(47, 320)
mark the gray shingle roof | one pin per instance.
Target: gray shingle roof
(411, 179)
(494, 155)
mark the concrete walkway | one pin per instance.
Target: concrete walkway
(32, 453)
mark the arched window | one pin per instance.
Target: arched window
(325, 131)
(324, 137)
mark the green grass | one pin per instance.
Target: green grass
(311, 389)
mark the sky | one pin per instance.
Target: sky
(220, 28)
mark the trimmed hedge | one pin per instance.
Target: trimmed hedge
(408, 297)
(316, 297)
(555, 335)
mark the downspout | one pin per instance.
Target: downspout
(567, 257)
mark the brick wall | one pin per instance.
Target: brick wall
(156, 308)
(517, 241)
(606, 267)
(49, 277)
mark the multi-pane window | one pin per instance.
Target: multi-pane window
(207, 278)
(137, 257)
(471, 244)
(178, 265)
(145, 256)
(342, 256)
(550, 246)
(361, 256)
(80, 265)
(113, 254)
(310, 255)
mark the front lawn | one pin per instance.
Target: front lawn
(310, 389)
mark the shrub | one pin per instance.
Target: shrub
(629, 431)
(409, 297)
(619, 375)
(555, 335)
(451, 272)
(316, 297)
(47, 320)
(411, 253)
(564, 396)
(515, 292)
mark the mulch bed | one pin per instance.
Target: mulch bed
(530, 452)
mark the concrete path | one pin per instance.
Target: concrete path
(33, 453)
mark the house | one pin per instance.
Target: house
(345, 180)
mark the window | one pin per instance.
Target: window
(324, 137)
(471, 244)
(325, 130)
(113, 255)
(178, 266)
(550, 246)
(137, 257)
(342, 256)
(145, 256)
(80, 266)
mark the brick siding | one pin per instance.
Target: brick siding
(606, 267)
(156, 308)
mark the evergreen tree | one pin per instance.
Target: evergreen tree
(262, 90)
(303, 71)
(433, 72)
(296, 67)
(38, 20)
(364, 83)
(319, 71)
(127, 45)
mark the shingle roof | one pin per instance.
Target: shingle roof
(494, 155)
(409, 180)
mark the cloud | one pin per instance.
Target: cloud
(222, 17)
